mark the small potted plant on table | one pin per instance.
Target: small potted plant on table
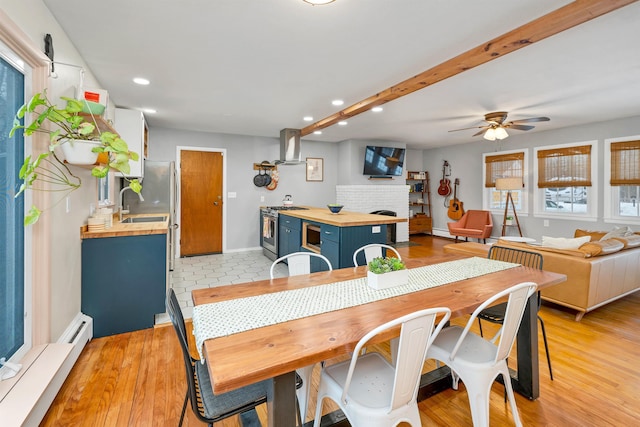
(387, 272)
(70, 129)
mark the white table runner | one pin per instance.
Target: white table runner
(224, 318)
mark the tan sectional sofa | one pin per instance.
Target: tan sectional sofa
(592, 281)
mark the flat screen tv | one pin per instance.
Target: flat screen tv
(383, 161)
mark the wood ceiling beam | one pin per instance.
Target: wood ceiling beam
(571, 15)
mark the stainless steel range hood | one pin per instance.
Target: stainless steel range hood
(290, 153)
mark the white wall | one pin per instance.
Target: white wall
(242, 152)
(343, 163)
(351, 162)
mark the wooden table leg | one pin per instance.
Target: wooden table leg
(526, 380)
(281, 401)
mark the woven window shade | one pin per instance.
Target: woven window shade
(565, 167)
(503, 166)
(625, 163)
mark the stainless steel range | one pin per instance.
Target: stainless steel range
(269, 219)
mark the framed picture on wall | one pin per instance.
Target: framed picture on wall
(315, 170)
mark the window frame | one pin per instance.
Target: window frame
(38, 237)
(522, 206)
(539, 197)
(15, 60)
(611, 197)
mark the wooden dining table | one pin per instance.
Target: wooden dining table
(276, 351)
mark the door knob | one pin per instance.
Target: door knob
(215, 203)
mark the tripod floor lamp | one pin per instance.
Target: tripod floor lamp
(508, 185)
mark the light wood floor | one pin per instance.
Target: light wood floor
(137, 379)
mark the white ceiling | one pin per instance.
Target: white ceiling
(253, 67)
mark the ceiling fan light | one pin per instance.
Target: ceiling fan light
(490, 134)
(501, 133)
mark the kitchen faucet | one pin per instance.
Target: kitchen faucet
(121, 208)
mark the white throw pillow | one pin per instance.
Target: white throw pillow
(618, 232)
(564, 243)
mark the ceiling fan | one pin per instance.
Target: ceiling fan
(496, 125)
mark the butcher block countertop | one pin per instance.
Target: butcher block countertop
(343, 218)
(128, 229)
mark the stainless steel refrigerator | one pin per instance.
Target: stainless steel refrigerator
(159, 192)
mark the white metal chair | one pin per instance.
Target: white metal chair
(372, 392)
(495, 314)
(373, 250)
(299, 263)
(478, 362)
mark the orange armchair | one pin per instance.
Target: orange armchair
(474, 224)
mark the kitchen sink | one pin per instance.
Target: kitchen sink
(144, 219)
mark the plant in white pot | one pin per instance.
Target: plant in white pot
(386, 272)
(68, 128)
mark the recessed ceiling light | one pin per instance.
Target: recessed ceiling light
(376, 109)
(307, 118)
(337, 102)
(317, 132)
(141, 81)
(318, 2)
(149, 110)
(343, 123)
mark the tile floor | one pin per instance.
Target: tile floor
(208, 271)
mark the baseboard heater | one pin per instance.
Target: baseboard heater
(45, 369)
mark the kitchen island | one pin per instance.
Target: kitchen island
(336, 236)
(343, 218)
(124, 274)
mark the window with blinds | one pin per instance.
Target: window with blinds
(508, 164)
(564, 180)
(625, 163)
(566, 167)
(625, 178)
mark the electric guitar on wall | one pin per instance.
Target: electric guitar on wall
(445, 184)
(455, 206)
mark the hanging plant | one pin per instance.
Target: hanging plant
(66, 125)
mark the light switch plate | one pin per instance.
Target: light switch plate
(375, 229)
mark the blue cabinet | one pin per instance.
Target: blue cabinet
(124, 282)
(339, 243)
(336, 243)
(289, 235)
(330, 243)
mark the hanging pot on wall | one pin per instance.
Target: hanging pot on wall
(274, 180)
(267, 178)
(258, 180)
(267, 171)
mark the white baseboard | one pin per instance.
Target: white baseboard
(44, 370)
(80, 330)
